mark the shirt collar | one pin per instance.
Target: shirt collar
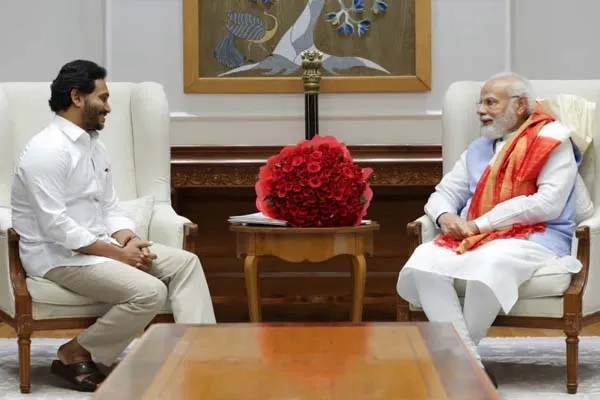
(73, 131)
(507, 136)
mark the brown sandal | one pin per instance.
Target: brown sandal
(85, 376)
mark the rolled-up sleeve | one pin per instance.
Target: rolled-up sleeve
(452, 193)
(45, 174)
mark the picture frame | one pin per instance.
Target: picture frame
(230, 49)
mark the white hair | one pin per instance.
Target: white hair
(519, 86)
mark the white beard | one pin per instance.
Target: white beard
(501, 125)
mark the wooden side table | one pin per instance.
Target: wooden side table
(304, 244)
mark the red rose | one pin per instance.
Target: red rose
(297, 161)
(316, 155)
(287, 167)
(313, 167)
(314, 182)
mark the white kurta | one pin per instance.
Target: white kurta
(503, 264)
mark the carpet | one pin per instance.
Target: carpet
(531, 368)
(526, 369)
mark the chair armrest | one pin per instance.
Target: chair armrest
(421, 230)
(588, 246)
(171, 229)
(418, 231)
(14, 296)
(7, 293)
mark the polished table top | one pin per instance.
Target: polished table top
(299, 361)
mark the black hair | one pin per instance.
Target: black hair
(78, 74)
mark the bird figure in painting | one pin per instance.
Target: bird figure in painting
(286, 57)
(248, 27)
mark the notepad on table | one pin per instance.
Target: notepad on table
(261, 219)
(256, 219)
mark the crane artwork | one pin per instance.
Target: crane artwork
(285, 58)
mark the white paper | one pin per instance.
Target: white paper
(261, 219)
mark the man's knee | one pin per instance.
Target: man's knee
(190, 261)
(152, 293)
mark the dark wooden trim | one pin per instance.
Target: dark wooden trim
(259, 154)
(190, 235)
(237, 166)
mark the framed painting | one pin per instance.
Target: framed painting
(255, 46)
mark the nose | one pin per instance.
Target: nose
(481, 109)
(107, 108)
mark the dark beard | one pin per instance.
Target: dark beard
(91, 118)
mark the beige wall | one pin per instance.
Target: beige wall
(142, 40)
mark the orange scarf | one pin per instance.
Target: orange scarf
(513, 173)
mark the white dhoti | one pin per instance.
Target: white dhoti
(493, 273)
(502, 265)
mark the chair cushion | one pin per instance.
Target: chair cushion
(51, 311)
(54, 301)
(45, 291)
(140, 211)
(548, 281)
(584, 208)
(546, 307)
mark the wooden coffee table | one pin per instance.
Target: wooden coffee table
(304, 244)
(411, 361)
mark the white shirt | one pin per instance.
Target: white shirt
(63, 198)
(555, 183)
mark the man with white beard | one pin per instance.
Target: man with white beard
(505, 209)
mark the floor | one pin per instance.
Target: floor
(592, 330)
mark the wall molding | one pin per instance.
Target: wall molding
(179, 116)
(237, 166)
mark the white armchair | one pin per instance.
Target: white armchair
(552, 299)
(137, 137)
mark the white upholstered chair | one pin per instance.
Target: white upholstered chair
(137, 137)
(552, 298)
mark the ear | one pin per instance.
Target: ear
(523, 106)
(77, 98)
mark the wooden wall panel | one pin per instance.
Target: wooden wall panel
(213, 183)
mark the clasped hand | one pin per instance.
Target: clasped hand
(456, 227)
(137, 254)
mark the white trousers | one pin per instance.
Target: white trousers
(440, 302)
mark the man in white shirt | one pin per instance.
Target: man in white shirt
(505, 209)
(72, 232)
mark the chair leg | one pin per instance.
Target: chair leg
(572, 359)
(402, 310)
(24, 341)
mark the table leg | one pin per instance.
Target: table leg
(251, 274)
(360, 278)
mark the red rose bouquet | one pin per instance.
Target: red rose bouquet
(314, 184)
